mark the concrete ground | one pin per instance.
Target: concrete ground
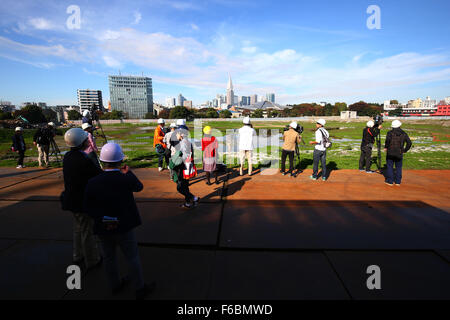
(266, 236)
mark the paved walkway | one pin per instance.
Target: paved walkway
(259, 237)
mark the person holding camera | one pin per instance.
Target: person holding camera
(41, 140)
(291, 138)
(18, 145)
(397, 144)
(370, 132)
(320, 150)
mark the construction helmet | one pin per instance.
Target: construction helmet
(86, 125)
(173, 125)
(18, 128)
(85, 113)
(75, 137)
(293, 125)
(111, 152)
(181, 122)
(396, 124)
(207, 130)
(51, 124)
(370, 124)
(161, 121)
(321, 122)
(246, 120)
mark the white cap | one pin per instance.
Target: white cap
(75, 137)
(51, 124)
(111, 152)
(18, 128)
(396, 124)
(161, 121)
(246, 120)
(321, 121)
(85, 113)
(173, 125)
(86, 125)
(370, 124)
(293, 125)
(181, 122)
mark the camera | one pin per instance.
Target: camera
(299, 129)
(378, 119)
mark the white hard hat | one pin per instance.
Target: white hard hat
(86, 125)
(246, 120)
(19, 129)
(181, 122)
(161, 121)
(111, 152)
(51, 124)
(75, 137)
(293, 125)
(85, 113)
(370, 123)
(173, 125)
(396, 124)
(321, 121)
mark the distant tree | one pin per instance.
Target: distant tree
(32, 113)
(212, 113)
(272, 113)
(164, 113)
(257, 114)
(113, 115)
(341, 106)
(74, 115)
(149, 115)
(328, 110)
(179, 113)
(5, 115)
(396, 113)
(225, 114)
(49, 115)
(365, 109)
(394, 102)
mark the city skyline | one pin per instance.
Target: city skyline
(303, 52)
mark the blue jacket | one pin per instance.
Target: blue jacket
(111, 194)
(18, 143)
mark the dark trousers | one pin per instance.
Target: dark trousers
(21, 157)
(319, 156)
(366, 158)
(161, 158)
(391, 175)
(183, 188)
(284, 154)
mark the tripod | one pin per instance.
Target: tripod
(54, 150)
(297, 154)
(378, 142)
(96, 123)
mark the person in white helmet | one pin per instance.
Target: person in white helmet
(77, 170)
(170, 150)
(370, 132)
(92, 149)
(41, 140)
(291, 139)
(247, 136)
(86, 117)
(320, 150)
(397, 143)
(159, 145)
(19, 146)
(110, 202)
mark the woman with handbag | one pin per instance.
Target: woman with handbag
(209, 148)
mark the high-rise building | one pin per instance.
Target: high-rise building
(170, 102)
(447, 101)
(253, 99)
(270, 97)
(245, 100)
(187, 104)
(180, 100)
(230, 92)
(87, 98)
(132, 95)
(428, 103)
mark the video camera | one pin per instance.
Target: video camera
(299, 129)
(378, 120)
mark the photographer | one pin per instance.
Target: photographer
(86, 117)
(395, 148)
(18, 145)
(291, 138)
(370, 132)
(41, 140)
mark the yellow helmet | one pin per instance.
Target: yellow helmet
(207, 130)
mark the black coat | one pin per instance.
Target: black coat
(43, 136)
(369, 135)
(397, 143)
(111, 194)
(18, 143)
(77, 170)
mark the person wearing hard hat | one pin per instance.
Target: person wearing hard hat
(320, 150)
(209, 148)
(86, 117)
(41, 140)
(246, 141)
(169, 138)
(92, 149)
(110, 202)
(77, 170)
(159, 145)
(291, 138)
(397, 143)
(18, 145)
(370, 132)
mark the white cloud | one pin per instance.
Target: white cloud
(111, 62)
(249, 50)
(137, 17)
(41, 24)
(194, 27)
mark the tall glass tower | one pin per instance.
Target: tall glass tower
(131, 95)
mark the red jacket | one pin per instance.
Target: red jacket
(158, 137)
(209, 146)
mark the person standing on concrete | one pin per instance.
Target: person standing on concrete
(246, 141)
(18, 145)
(320, 150)
(159, 145)
(397, 143)
(170, 151)
(291, 139)
(77, 170)
(41, 140)
(91, 150)
(209, 148)
(368, 139)
(109, 200)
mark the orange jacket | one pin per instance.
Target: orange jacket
(158, 137)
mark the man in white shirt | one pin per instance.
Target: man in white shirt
(246, 140)
(320, 152)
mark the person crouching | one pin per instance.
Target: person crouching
(110, 202)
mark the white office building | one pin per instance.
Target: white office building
(88, 98)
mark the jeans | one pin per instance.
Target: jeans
(161, 158)
(284, 154)
(183, 188)
(128, 245)
(322, 157)
(84, 241)
(391, 175)
(366, 157)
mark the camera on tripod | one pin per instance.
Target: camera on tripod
(299, 129)
(378, 120)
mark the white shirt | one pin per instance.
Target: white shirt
(246, 138)
(319, 138)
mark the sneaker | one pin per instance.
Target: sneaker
(370, 171)
(286, 173)
(389, 184)
(196, 199)
(19, 167)
(145, 291)
(313, 178)
(397, 184)
(160, 169)
(324, 179)
(362, 170)
(187, 205)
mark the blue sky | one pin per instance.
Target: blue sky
(303, 51)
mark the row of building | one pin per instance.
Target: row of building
(419, 107)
